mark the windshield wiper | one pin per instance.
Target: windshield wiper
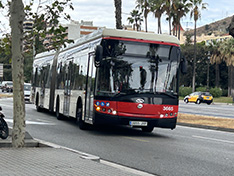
(119, 94)
(166, 93)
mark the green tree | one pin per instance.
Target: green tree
(216, 58)
(118, 14)
(144, 6)
(180, 9)
(135, 19)
(157, 7)
(50, 15)
(196, 7)
(5, 56)
(168, 9)
(227, 52)
(46, 22)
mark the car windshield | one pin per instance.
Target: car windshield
(27, 87)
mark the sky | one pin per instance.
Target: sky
(101, 12)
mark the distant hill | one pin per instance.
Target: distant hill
(218, 28)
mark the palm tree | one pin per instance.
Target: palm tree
(158, 8)
(227, 51)
(197, 5)
(118, 13)
(216, 58)
(144, 6)
(135, 19)
(168, 9)
(179, 8)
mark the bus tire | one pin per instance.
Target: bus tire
(58, 115)
(82, 125)
(147, 129)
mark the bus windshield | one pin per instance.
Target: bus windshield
(136, 67)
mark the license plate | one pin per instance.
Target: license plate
(207, 98)
(138, 123)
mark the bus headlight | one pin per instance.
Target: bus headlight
(98, 108)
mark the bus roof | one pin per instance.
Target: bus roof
(164, 38)
(117, 34)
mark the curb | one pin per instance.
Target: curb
(29, 141)
(206, 127)
(83, 155)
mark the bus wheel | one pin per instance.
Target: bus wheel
(37, 105)
(38, 108)
(147, 129)
(79, 121)
(58, 115)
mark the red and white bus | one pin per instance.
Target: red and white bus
(112, 77)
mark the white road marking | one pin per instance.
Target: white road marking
(214, 139)
(28, 122)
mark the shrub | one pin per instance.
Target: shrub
(216, 92)
(183, 91)
(201, 89)
(224, 92)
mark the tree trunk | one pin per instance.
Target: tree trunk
(217, 75)
(118, 14)
(195, 58)
(169, 20)
(230, 80)
(146, 30)
(179, 32)
(16, 22)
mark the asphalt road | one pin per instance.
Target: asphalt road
(216, 110)
(183, 151)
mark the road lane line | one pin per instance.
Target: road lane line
(28, 122)
(214, 139)
(136, 139)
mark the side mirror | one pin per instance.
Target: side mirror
(98, 55)
(0, 108)
(183, 65)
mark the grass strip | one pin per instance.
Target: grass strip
(206, 120)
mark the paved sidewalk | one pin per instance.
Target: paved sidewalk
(44, 159)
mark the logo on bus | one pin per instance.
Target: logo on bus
(140, 106)
(139, 100)
(168, 108)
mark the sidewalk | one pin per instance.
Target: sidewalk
(45, 159)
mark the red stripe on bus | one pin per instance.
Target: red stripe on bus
(141, 40)
(146, 110)
(129, 109)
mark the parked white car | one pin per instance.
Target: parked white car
(27, 91)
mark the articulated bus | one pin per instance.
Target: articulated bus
(112, 77)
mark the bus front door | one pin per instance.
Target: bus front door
(67, 90)
(89, 97)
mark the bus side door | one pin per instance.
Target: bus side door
(67, 89)
(90, 81)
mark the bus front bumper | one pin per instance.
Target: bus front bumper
(100, 118)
